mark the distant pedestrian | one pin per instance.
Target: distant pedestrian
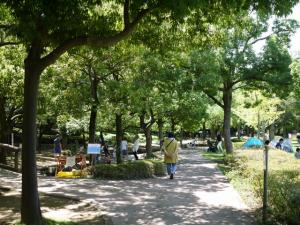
(124, 148)
(105, 148)
(219, 143)
(170, 148)
(135, 147)
(57, 145)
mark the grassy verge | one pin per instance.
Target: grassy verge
(245, 170)
(216, 157)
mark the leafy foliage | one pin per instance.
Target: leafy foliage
(245, 167)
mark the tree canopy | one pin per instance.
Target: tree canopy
(48, 29)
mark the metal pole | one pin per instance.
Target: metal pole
(265, 194)
(12, 139)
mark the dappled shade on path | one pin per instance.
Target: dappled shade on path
(199, 194)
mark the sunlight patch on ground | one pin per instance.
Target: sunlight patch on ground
(219, 198)
(73, 213)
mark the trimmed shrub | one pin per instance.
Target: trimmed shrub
(159, 167)
(130, 170)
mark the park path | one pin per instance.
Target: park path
(199, 194)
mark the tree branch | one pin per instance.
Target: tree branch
(126, 13)
(9, 43)
(6, 26)
(261, 39)
(214, 99)
(239, 87)
(96, 41)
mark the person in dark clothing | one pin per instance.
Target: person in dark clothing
(57, 145)
(135, 147)
(211, 147)
(279, 144)
(105, 149)
(106, 152)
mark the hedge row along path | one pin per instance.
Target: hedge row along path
(199, 194)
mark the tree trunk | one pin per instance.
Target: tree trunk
(119, 134)
(204, 131)
(227, 99)
(213, 133)
(93, 116)
(239, 131)
(92, 125)
(173, 125)
(272, 132)
(30, 205)
(181, 137)
(147, 132)
(160, 124)
(102, 137)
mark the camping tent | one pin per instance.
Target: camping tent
(253, 143)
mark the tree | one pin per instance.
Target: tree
(236, 65)
(50, 28)
(59, 26)
(256, 110)
(10, 92)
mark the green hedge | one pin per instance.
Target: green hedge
(159, 167)
(246, 167)
(129, 170)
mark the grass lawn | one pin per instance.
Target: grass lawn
(244, 169)
(216, 157)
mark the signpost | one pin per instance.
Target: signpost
(265, 193)
(93, 149)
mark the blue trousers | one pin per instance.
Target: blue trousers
(171, 168)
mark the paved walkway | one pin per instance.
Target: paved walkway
(199, 194)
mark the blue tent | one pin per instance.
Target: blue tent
(253, 143)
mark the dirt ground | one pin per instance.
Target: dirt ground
(59, 208)
(199, 194)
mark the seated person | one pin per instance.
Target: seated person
(211, 147)
(297, 154)
(279, 144)
(287, 145)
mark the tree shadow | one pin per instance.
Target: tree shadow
(199, 194)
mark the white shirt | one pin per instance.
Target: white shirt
(136, 145)
(124, 145)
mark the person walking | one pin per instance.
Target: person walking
(135, 147)
(57, 145)
(219, 143)
(170, 148)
